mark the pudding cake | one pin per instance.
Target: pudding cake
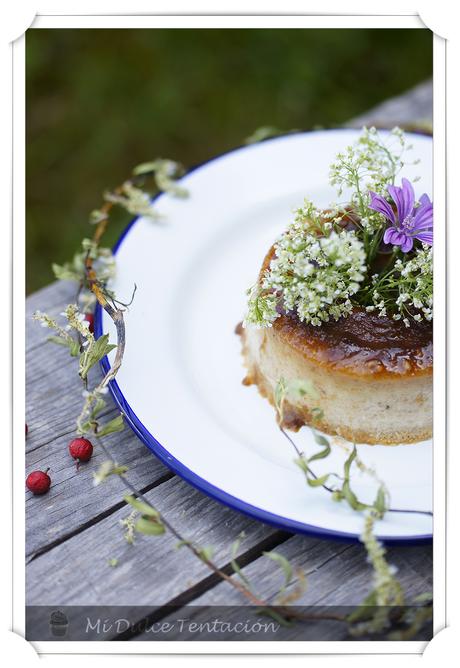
(372, 375)
(343, 304)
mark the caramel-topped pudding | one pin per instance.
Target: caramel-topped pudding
(338, 329)
(372, 374)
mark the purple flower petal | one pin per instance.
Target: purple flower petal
(424, 199)
(410, 222)
(404, 198)
(393, 236)
(425, 237)
(379, 204)
(409, 197)
(423, 217)
(407, 244)
(388, 235)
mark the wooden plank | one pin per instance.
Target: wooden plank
(53, 390)
(54, 399)
(73, 500)
(151, 572)
(337, 573)
(336, 580)
(52, 299)
(53, 394)
(342, 579)
(316, 551)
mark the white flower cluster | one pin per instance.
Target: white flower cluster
(316, 276)
(416, 284)
(372, 159)
(321, 266)
(370, 164)
(409, 287)
(261, 308)
(319, 221)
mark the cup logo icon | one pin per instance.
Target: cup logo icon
(58, 623)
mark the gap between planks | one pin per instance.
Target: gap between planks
(96, 519)
(206, 584)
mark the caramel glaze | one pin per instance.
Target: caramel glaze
(362, 344)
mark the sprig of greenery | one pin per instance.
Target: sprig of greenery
(387, 591)
(89, 351)
(92, 276)
(285, 566)
(108, 468)
(371, 163)
(165, 173)
(313, 276)
(374, 614)
(74, 270)
(149, 522)
(129, 526)
(408, 286)
(62, 338)
(234, 563)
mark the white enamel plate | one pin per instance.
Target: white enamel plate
(180, 383)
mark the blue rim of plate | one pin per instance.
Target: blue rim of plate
(187, 474)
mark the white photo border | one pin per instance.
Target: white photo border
(439, 415)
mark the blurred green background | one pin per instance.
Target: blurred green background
(101, 101)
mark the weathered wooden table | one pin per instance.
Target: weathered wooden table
(74, 530)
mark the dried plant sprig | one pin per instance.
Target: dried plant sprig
(374, 615)
(165, 173)
(62, 337)
(142, 506)
(84, 270)
(75, 269)
(133, 200)
(89, 351)
(129, 527)
(387, 591)
(106, 469)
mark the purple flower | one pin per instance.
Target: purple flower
(409, 222)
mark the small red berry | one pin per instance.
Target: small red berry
(89, 317)
(81, 449)
(38, 482)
